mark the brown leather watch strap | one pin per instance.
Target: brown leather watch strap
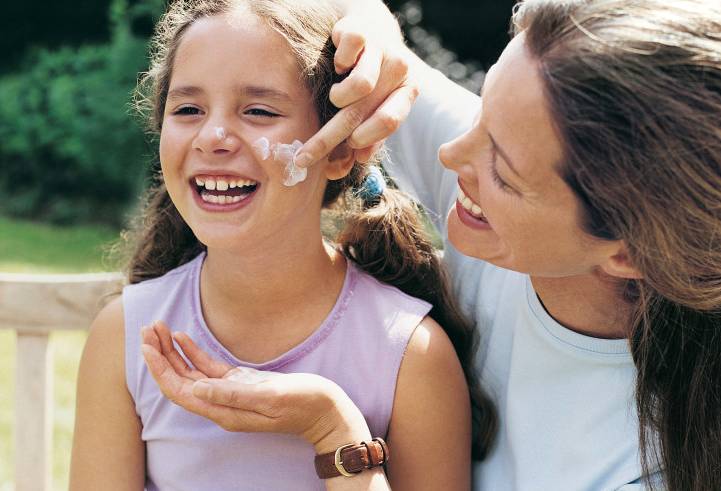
(351, 459)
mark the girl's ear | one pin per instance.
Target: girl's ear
(620, 265)
(340, 162)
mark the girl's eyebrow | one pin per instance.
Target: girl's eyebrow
(263, 92)
(185, 91)
(244, 91)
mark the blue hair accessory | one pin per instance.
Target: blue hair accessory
(373, 185)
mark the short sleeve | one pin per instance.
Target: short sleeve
(443, 111)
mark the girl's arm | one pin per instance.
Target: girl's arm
(242, 399)
(108, 452)
(430, 428)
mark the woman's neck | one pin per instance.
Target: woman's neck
(588, 304)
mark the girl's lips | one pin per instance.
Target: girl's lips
(226, 207)
(471, 221)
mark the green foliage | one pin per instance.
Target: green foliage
(69, 149)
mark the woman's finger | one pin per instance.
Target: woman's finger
(333, 133)
(362, 79)
(349, 45)
(203, 362)
(365, 154)
(386, 119)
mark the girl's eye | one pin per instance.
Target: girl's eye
(186, 111)
(261, 112)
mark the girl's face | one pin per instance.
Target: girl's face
(507, 165)
(234, 81)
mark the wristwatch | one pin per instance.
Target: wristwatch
(349, 460)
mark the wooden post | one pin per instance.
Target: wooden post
(33, 413)
(35, 306)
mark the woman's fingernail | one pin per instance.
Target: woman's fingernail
(303, 160)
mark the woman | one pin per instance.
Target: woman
(589, 185)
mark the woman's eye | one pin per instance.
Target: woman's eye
(261, 112)
(503, 185)
(187, 111)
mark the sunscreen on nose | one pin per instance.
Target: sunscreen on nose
(283, 153)
(220, 133)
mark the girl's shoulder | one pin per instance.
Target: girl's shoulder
(184, 271)
(373, 291)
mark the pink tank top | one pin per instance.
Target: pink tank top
(359, 346)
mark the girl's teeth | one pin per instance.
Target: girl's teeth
(221, 185)
(210, 185)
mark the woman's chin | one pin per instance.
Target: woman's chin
(463, 239)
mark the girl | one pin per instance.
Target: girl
(586, 192)
(228, 254)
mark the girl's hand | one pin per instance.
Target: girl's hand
(243, 399)
(377, 95)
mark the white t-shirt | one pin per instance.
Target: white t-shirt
(565, 401)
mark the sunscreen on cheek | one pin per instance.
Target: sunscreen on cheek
(283, 154)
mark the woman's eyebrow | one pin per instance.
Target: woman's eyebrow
(504, 155)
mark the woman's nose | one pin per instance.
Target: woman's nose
(457, 155)
(215, 138)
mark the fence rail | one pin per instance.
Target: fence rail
(34, 306)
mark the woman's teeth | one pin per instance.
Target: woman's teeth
(469, 205)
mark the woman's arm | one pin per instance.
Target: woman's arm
(430, 428)
(108, 452)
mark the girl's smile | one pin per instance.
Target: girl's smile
(223, 193)
(223, 97)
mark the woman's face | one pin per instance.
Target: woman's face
(239, 75)
(508, 168)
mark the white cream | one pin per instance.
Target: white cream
(283, 154)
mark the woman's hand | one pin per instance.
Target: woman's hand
(377, 95)
(243, 399)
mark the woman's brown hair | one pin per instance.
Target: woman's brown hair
(634, 87)
(386, 238)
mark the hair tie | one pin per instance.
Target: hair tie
(373, 185)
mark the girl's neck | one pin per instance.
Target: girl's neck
(256, 284)
(588, 304)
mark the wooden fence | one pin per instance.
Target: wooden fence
(34, 306)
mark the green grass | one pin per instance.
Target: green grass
(38, 248)
(27, 247)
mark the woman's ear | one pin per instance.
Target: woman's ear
(340, 162)
(620, 264)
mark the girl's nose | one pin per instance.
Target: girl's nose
(216, 139)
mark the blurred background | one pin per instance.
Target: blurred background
(74, 161)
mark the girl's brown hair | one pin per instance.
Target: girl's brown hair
(385, 238)
(634, 87)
